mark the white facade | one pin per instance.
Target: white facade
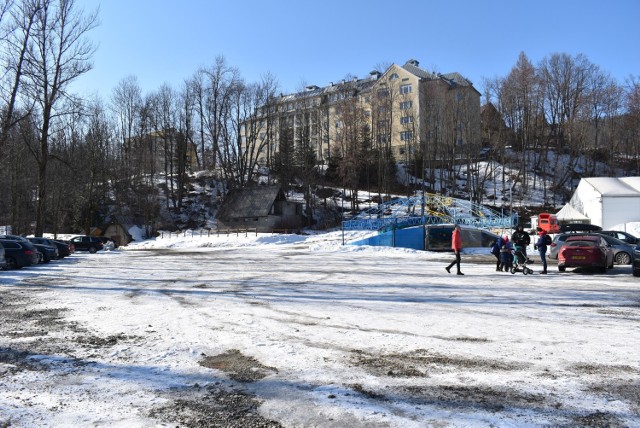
(608, 201)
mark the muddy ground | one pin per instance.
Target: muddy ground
(27, 333)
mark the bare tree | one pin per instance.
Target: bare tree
(631, 128)
(565, 86)
(17, 39)
(126, 104)
(221, 82)
(60, 53)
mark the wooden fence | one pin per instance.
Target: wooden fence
(220, 232)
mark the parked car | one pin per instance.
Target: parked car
(623, 236)
(63, 248)
(72, 248)
(49, 252)
(586, 250)
(3, 261)
(623, 253)
(19, 253)
(87, 243)
(14, 238)
(636, 267)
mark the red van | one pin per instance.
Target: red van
(548, 223)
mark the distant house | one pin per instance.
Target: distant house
(118, 230)
(264, 208)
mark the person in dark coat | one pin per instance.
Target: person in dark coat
(521, 240)
(456, 245)
(506, 256)
(495, 250)
(541, 246)
(497, 247)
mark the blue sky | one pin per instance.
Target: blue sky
(317, 42)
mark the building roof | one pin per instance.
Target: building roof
(452, 79)
(569, 213)
(412, 66)
(250, 201)
(359, 85)
(615, 187)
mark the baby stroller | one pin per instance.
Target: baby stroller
(520, 261)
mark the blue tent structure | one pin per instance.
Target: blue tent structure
(429, 209)
(426, 223)
(429, 238)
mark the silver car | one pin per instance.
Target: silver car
(623, 253)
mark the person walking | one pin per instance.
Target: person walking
(541, 245)
(506, 256)
(495, 249)
(456, 245)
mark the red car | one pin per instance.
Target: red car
(590, 251)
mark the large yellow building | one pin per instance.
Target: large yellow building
(405, 109)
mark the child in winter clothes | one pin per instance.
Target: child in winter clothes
(506, 258)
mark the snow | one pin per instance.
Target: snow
(547, 349)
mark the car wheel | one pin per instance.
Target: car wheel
(623, 258)
(92, 250)
(12, 264)
(636, 272)
(562, 268)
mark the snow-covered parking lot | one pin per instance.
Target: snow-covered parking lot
(301, 331)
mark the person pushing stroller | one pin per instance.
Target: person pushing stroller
(520, 261)
(521, 241)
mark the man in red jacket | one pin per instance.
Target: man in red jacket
(456, 244)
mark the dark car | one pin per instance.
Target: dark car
(623, 236)
(49, 252)
(623, 253)
(87, 243)
(72, 248)
(14, 238)
(3, 261)
(63, 248)
(19, 253)
(586, 250)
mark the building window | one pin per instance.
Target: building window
(406, 119)
(404, 105)
(406, 135)
(405, 89)
(393, 76)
